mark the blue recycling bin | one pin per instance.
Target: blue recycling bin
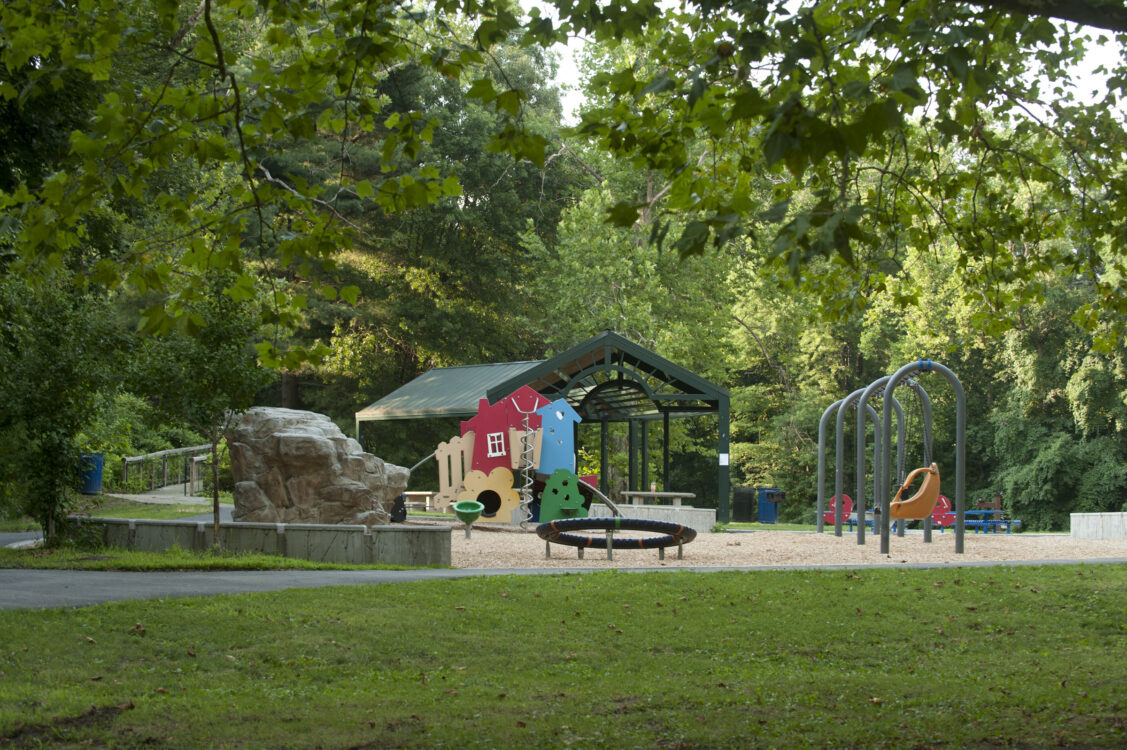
(769, 499)
(90, 475)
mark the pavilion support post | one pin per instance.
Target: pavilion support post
(665, 485)
(575, 444)
(604, 460)
(645, 435)
(724, 482)
(632, 479)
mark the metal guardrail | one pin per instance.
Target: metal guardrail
(195, 475)
(173, 466)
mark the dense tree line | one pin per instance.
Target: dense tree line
(791, 200)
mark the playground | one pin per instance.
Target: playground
(506, 548)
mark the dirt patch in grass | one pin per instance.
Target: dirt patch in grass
(41, 735)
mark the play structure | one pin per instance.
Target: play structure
(927, 504)
(467, 512)
(523, 432)
(670, 534)
(921, 504)
(515, 457)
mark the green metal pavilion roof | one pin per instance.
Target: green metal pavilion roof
(442, 392)
(606, 378)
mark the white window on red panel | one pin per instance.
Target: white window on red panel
(496, 444)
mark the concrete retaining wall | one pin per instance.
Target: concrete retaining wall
(1099, 525)
(700, 519)
(415, 546)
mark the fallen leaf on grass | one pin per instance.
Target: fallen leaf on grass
(90, 640)
(162, 691)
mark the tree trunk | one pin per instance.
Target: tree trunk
(215, 488)
(291, 396)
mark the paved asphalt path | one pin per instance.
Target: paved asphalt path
(14, 538)
(38, 589)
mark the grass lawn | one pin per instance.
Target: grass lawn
(756, 526)
(174, 559)
(976, 657)
(114, 507)
(9, 525)
(108, 506)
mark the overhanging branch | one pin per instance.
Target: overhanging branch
(1102, 14)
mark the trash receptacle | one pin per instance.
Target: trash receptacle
(769, 499)
(90, 476)
(743, 499)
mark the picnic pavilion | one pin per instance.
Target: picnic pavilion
(606, 379)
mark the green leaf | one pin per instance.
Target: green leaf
(693, 239)
(482, 89)
(748, 104)
(509, 101)
(623, 214)
(451, 186)
(659, 84)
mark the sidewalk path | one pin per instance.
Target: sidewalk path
(19, 538)
(39, 589)
(173, 494)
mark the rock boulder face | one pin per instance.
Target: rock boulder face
(298, 467)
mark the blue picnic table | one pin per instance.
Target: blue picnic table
(982, 521)
(989, 521)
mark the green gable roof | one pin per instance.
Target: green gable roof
(605, 378)
(442, 392)
(610, 378)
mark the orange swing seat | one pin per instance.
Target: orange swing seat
(921, 504)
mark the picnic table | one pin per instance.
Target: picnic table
(637, 496)
(870, 520)
(982, 521)
(988, 521)
(420, 500)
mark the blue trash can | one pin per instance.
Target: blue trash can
(90, 477)
(769, 499)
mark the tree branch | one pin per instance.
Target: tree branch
(783, 376)
(1102, 14)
